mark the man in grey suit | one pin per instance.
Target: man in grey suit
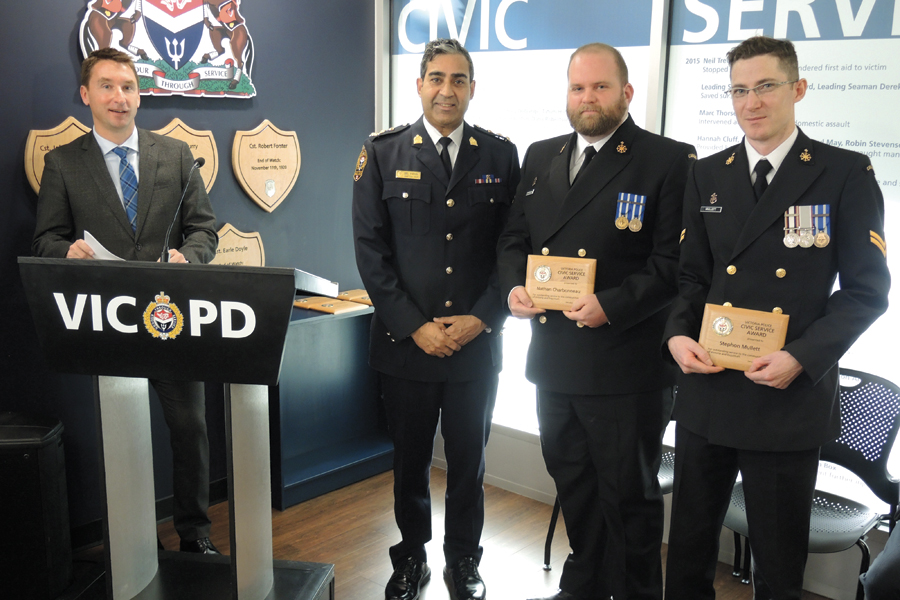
(123, 185)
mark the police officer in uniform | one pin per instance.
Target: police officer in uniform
(429, 202)
(769, 226)
(608, 191)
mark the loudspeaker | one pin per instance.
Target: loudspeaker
(35, 543)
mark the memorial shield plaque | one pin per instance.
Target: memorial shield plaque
(40, 142)
(239, 248)
(266, 163)
(201, 143)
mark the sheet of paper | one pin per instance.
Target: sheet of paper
(100, 253)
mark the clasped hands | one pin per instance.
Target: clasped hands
(446, 335)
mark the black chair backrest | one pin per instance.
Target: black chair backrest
(870, 421)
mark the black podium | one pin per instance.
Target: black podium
(124, 322)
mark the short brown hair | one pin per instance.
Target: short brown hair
(761, 45)
(104, 54)
(599, 48)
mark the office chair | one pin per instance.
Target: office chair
(870, 419)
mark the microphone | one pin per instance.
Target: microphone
(164, 257)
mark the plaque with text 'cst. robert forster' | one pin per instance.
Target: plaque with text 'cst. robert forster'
(735, 337)
(555, 282)
(266, 163)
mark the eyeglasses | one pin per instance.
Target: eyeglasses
(761, 90)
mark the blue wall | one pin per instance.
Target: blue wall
(313, 72)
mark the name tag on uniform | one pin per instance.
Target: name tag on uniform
(710, 209)
(409, 175)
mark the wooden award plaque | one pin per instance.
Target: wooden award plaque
(42, 141)
(328, 305)
(555, 282)
(360, 296)
(266, 162)
(201, 143)
(239, 248)
(734, 337)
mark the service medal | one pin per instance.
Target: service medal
(807, 239)
(634, 225)
(622, 222)
(791, 240)
(822, 239)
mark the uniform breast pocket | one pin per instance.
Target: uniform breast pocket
(487, 196)
(410, 205)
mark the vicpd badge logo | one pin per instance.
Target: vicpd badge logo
(177, 44)
(162, 318)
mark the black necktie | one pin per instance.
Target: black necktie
(445, 154)
(761, 169)
(589, 153)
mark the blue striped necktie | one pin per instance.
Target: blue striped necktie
(129, 186)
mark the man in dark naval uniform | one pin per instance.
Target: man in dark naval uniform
(429, 202)
(608, 191)
(769, 226)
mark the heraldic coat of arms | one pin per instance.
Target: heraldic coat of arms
(182, 47)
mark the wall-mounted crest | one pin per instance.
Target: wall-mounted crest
(179, 46)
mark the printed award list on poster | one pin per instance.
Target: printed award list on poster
(853, 89)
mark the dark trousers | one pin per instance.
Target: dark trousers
(184, 408)
(882, 581)
(465, 409)
(603, 453)
(778, 492)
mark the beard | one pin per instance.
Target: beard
(602, 124)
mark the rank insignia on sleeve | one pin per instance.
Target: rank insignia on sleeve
(473, 142)
(730, 159)
(417, 140)
(805, 156)
(713, 199)
(621, 148)
(360, 164)
(683, 232)
(879, 242)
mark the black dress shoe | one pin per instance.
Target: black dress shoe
(560, 595)
(201, 546)
(408, 577)
(463, 580)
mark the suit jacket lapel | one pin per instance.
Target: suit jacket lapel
(427, 153)
(734, 191)
(466, 158)
(95, 164)
(558, 185)
(612, 158)
(791, 181)
(149, 166)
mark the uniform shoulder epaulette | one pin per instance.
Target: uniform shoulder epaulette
(489, 132)
(395, 129)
